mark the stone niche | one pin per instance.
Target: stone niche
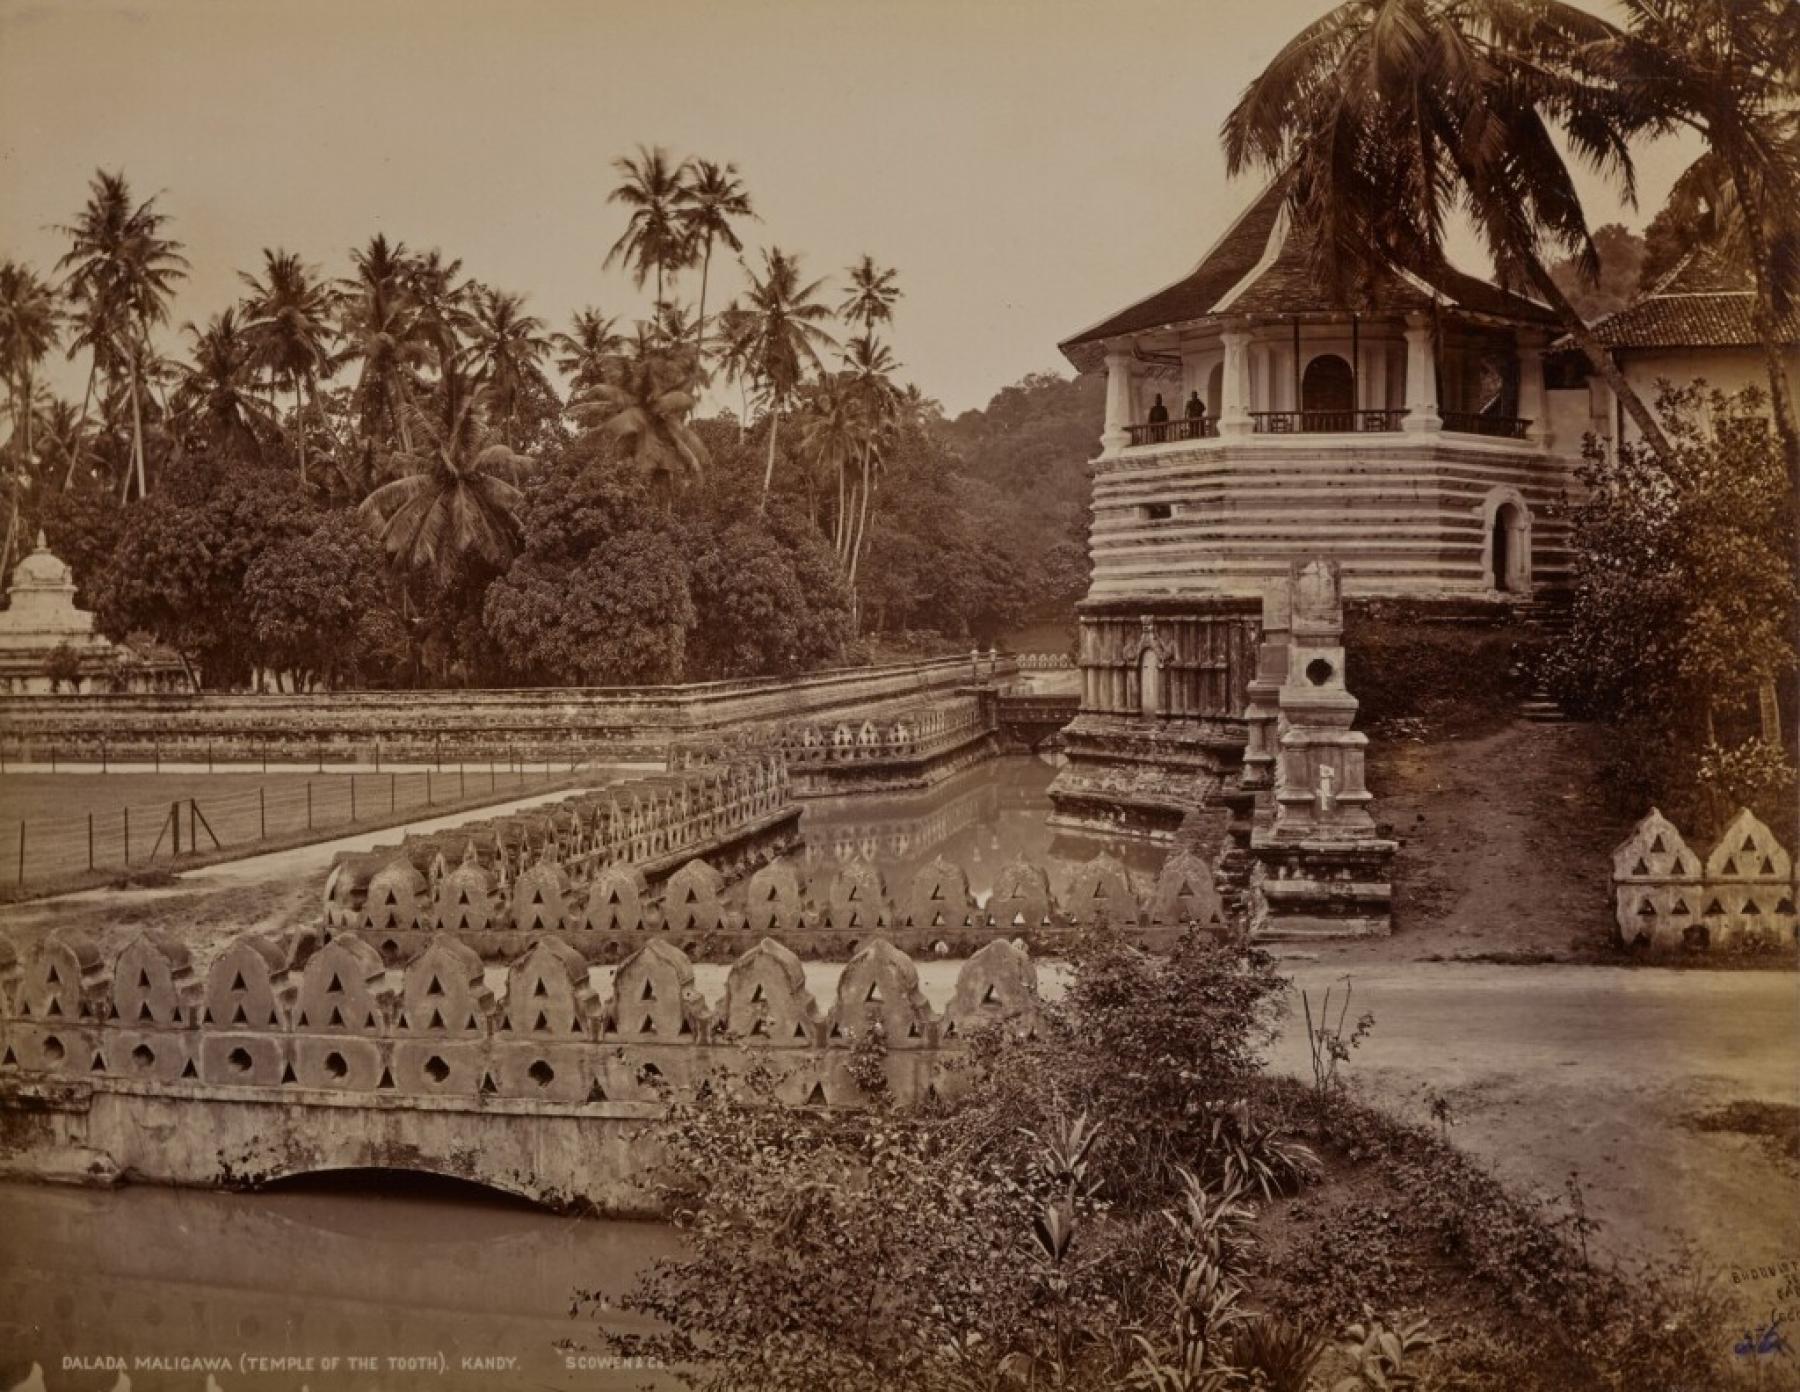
(1160, 728)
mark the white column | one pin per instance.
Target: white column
(1375, 390)
(1234, 388)
(1533, 404)
(1421, 377)
(1118, 404)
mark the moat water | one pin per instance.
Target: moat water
(416, 1274)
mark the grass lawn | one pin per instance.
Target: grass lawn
(235, 808)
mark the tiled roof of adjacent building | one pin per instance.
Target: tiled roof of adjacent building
(1705, 302)
(1259, 267)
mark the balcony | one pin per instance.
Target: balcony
(1325, 422)
(1181, 428)
(1481, 423)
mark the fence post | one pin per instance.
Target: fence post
(462, 780)
(262, 812)
(209, 769)
(21, 852)
(309, 804)
(156, 753)
(128, 838)
(440, 753)
(52, 759)
(353, 797)
(490, 775)
(103, 768)
(428, 787)
(393, 791)
(378, 756)
(90, 840)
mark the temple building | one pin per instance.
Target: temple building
(1693, 323)
(48, 646)
(1411, 441)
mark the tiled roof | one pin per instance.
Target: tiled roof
(1705, 302)
(1287, 286)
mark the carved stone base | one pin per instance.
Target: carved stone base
(1320, 889)
(1138, 777)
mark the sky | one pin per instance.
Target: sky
(1028, 165)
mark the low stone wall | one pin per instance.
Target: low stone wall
(916, 747)
(834, 916)
(564, 725)
(1742, 895)
(294, 1058)
(500, 880)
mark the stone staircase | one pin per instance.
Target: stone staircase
(1552, 620)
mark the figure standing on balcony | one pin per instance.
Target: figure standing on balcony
(1196, 411)
(1159, 413)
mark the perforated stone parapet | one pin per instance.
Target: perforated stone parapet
(1742, 895)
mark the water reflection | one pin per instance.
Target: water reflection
(409, 1267)
(982, 818)
(396, 1267)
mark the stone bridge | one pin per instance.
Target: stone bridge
(541, 1077)
(1033, 720)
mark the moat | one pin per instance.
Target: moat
(388, 1265)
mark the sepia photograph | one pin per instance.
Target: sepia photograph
(899, 695)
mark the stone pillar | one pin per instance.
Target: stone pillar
(1234, 387)
(1322, 869)
(1534, 405)
(1263, 714)
(1119, 405)
(1421, 376)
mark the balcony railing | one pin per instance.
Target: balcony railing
(1181, 428)
(1480, 423)
(1325, 422)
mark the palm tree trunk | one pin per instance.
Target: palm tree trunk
(137, 437)
(300, 427)
(1597, 355)
(80, 425)
(838, 527)
(862, 521)
(769, 469)
(1762, 317)
(700, 333)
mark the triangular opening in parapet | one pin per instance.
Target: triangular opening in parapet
(816, 1098)
(53, 977)
(99, 1063)
(239, 1018)
(874, 993)
(1768, 867)
(596, 1093)
(287, 1073)
(144, 1011)
(487, 1083)
(55, 1007)
(649, 991)
(9, 1059)
(649, 1025)
(188, 1071)
(436, 988)
(799, 1030)
(143, 979)
(437, 1019)
(1656, 846)
(990, 996)
(542, 1024)
(756, 995)
(538, 988)
(237, 982)
(387, 1080)
(337, 1017)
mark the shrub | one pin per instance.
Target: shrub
(1406, 662)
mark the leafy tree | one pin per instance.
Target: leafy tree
(318, 605)
(710, 196)
(1384, 116)
(656, 237)
(177, 571)
(288, 325)
(1622, 261)
(1683, 605)
(122, 271)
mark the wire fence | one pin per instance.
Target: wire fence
(144, 834)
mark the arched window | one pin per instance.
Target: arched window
(1215, 390)
(1507, 544)
(1328, 394)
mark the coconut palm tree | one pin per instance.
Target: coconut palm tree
(584, 351)
(505, 355)
(1383, 116)
(442, 301)
(382, 333)
(869, 368)
(709, 198)
(30, 326)
(872, 295)
(217, 395)
(457, 497)
(1729, 70)
(124, 270)
(643, 403)
(831, 436)
(784, 336)
(290, 332)
(655, 239)
(737, 357)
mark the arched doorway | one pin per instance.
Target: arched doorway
(1149, 683)
(1509, 547)
(1328, 394)
(1215, 390)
